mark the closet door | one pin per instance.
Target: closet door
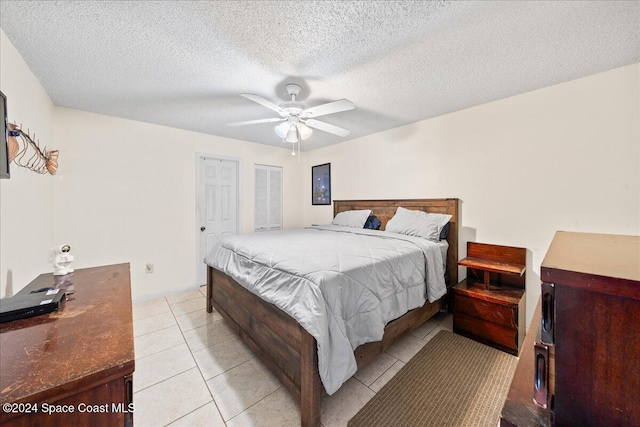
(268, 198)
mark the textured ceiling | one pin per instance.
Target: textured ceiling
(184, 63)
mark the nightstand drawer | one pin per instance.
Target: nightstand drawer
(489, 331)
(498, 314)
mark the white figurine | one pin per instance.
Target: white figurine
(61, 259)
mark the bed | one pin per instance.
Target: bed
(286, 348)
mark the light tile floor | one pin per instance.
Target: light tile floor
(192, 370)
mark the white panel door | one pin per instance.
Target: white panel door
(217, 206)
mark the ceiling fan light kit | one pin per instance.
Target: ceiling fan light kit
(297, 122)
(286, 130)
(282, 129)
(305, 131)
(292, 135)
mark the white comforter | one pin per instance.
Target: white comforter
(343, 285)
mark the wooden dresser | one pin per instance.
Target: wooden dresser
(585, 362)
(590, 319)
(79, 358)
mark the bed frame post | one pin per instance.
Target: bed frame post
(453, 208)
(209, 284)
(310, 386)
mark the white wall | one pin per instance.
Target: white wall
(566, 157)
(125, 192)
(26, 203)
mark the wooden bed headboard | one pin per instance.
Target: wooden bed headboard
(385, 209)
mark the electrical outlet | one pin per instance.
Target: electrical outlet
(149, 267)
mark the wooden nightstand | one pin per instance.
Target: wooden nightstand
(489, 305)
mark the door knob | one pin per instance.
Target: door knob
(203, 228)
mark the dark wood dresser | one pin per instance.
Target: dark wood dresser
(584, 363)
(76, 362)
(590, 319)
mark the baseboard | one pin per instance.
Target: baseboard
(148, 297)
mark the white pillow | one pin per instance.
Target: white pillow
(355, 219)
(418, 223)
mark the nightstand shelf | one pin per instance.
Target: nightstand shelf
(490, 266)
(489, 305)
(504, 264)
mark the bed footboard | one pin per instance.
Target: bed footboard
(282, 345)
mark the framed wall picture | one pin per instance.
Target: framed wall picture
(321, 184)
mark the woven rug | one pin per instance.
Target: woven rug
(452, 381)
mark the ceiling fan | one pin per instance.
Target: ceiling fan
(298, 122)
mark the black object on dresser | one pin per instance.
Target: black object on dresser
(590, 320)
(489, 305)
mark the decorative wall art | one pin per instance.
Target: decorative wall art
(321, 184)
(25, 152)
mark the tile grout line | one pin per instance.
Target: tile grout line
(392, 365)
(374, 392)
(191, 312)
(178, 419)
(249, 407)
(168, 305)
(201, 375)
(240, 364)
(183, 314)
(220, 342)
(192, 358)
(221, 373)
(184, 300)
(151, 354)
(156, 314)
(168, 378)
(153, 332)
(175, 324)
(201, 326)
(160, 351)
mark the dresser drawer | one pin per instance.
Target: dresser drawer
(500, 335)
(499, 314)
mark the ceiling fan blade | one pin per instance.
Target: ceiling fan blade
(255, 122)
(270, 105)
(326, 127)
(329, 108)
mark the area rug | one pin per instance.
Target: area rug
(452, 381)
